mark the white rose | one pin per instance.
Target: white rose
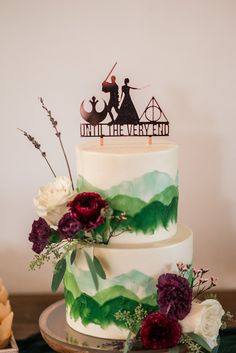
(52, 199)
(204, 320)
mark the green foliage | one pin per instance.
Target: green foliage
(174, 350)
(191, 345)
(200, 341)
(58, 274)
(98, 268)
(128, 343)
(189, 276)
(73, 256)
(39, 260)
(92, 269)
(55, 237)
(132, 320)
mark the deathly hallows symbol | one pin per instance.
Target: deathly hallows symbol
(153, 112)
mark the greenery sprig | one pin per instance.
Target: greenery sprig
(133, 322)
(58, 134)
(196, 279)
(38, 147)
(191, 345)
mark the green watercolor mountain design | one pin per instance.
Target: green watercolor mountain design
(150, 202)
(100, 308)
(144, 187)
(137, 283)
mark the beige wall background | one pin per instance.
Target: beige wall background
(62, 50)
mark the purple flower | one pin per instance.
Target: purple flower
(159, 332)
(68, 226)
(174, 296)
(39, 235)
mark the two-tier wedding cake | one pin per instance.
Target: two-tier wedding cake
(141, 181)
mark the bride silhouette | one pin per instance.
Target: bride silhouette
(127, 113)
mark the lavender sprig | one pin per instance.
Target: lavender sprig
(38, 147)
(58, 134)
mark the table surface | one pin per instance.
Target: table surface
(28, 307)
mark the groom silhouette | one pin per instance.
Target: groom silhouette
(113, 89)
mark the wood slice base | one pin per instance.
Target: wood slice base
(63, 339)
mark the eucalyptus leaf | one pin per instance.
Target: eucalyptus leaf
(58, 274)
(128, 343)
(190, 276)
(199, 340)
(98, 267)
(92, 269)
(73, 256)
(55, 237)
(173, 350)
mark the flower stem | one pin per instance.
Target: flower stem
(58, 134)
(38, 147)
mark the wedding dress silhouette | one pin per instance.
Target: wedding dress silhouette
(127, 113)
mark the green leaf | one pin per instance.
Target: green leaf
(98, 267)
(58, 274)
(55, 237)
(173, 350)
(199, 340)
(73, 256)
(92, 269)
(128, 343)
(189, 276)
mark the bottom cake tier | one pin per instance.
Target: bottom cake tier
(131, 276)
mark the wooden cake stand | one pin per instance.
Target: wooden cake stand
(63, 339)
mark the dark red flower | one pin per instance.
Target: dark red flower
(174, 296)
(39, 235)
(87, 207)
(159, 332)
(68, 226)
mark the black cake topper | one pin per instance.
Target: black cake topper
(127, 122)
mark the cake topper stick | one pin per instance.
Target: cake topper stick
(101, 141)
(150, 140)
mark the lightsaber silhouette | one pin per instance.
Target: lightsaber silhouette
(111, 71)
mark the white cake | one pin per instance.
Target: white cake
(141, 180)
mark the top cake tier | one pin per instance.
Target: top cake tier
(137, 178)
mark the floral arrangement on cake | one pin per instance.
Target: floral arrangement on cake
(181, 318)
(70, 220)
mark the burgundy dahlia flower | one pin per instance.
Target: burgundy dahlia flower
(39, 235)
(159, 332)
(68, 226)
(174, 296)
(87, 207)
